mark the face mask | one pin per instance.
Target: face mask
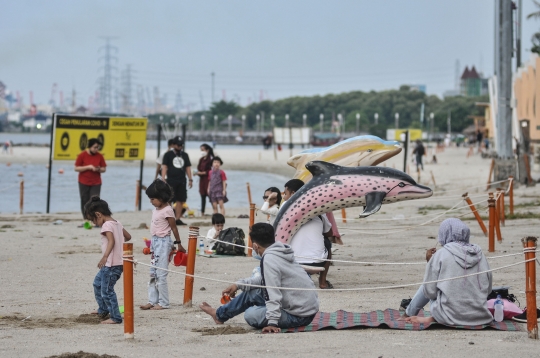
(255, 255)
(203, 154)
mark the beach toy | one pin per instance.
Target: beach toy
(20, 174)
(87, 225)
(180, 259)
(60, 171)
(225, 299)
(147, 242)
(146, 251)
(121, 309)
(334, 187)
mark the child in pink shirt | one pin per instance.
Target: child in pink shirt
(110, 266)
(163, 223)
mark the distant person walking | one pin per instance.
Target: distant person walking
(419, 151)
(6, 146)
(176, 165)
(204, 167)
(90, 164)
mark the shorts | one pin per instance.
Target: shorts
(328, 247)
(179, 191)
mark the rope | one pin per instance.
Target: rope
(341, 289)
(474, 187)
(367, 262)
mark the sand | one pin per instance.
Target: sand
(47, 273)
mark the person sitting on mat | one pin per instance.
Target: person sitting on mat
(270, 308)
(310, 243)
(459, 302)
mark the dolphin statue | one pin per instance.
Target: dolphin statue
(358, 151)
(334, 187)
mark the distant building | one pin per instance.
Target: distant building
(472, 84)
(420, 88)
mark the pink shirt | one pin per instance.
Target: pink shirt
(160, 225)
(115, 257)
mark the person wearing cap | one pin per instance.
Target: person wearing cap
(90, 164)
(175, 167)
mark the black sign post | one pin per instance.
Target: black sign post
(50, 163)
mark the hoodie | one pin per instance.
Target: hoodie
(281, 270)
(462, 301)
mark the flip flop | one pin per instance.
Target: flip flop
(329, 286)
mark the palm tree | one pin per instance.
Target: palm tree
(536, 14)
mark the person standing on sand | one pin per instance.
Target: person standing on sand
(217, 186)
(270, 308)
(159, 160)
(90, 164)
(204, 167)
(176, 165)
(419, 151)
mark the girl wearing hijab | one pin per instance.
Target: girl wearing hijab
(456, 302)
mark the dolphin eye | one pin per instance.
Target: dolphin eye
(401, 185)
(370, 150)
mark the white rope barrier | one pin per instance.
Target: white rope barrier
(474, 187)
(340, 289)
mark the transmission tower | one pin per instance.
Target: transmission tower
(127, 101)
(109, 60)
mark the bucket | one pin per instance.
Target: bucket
(180, 259)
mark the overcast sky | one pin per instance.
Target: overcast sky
(284, 48)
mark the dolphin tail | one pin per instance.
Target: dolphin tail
(373, 203)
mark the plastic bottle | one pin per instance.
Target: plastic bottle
(498, 307)
(201, 247)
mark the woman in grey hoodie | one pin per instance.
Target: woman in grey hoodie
(459, 302)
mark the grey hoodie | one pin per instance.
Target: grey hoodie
(462, 301)
(281, 270)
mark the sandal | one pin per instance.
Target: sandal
(329, 286)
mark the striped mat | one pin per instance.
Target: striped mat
(385, 319)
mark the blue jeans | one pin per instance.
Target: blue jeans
(104, 291)
(417, 303)
(252, 304)
(158, 289)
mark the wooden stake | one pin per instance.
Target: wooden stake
(433, 178)
(502, 217)
(137, 195)
(496, 220)
(491, 168)
(491, 234)
(249, 194)
(344, 216)
(530, 285)
(129, 315)
(251, 222)
(475, 212)
(528, 169)
(511, 194)
(21, 197)
(190, 266)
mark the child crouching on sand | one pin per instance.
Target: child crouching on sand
(110, 266)
(163, 222)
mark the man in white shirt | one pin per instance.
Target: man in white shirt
(310, 245)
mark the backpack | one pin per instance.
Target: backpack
(234, 235)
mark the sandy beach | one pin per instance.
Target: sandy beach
(47, 273)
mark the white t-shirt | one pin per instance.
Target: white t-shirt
(309, 240)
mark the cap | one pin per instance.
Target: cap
(178, 140)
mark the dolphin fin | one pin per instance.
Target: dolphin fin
(318, 167)
(373, 203)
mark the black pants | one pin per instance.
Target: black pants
(203, 203)
(86, 192)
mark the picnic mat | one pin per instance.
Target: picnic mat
(387, 318)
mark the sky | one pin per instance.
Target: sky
(274, 49)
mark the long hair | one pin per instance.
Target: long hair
(273, 189)
(209, 149)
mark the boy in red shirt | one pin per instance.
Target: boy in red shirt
(90, 164)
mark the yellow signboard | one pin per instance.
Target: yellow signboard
(414, 134)
(123, 138)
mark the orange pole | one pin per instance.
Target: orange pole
(491, 235)
(249, 193)
(496, 221)
(511, 194)
(21, 197)
(490, 173)
(129, 315)
(137, 194)
(190, 266)
(530, 285)
(251, 222)
(501, 206)
(476, 214)
(344, 215)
